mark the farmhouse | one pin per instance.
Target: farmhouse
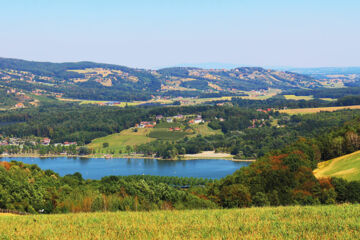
(198, 120)
(19, 105)
(147, 124)
(159, 117)
(45, 141)
(66, 144)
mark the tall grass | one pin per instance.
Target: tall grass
(315, 222)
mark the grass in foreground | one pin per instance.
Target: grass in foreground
(316, 222)
(347, 167)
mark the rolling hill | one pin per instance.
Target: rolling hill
(347, 167)
(98, 81)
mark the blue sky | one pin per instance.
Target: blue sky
(156, 33)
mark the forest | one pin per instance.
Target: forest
(287, 152)
(281, 177)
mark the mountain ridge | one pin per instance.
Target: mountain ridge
(100, 81)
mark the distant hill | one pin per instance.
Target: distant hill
(324, 70)
(98, 81)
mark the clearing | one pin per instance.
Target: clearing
(347, 167)
(119, 141)
(316, 110)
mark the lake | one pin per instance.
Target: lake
(96, 168)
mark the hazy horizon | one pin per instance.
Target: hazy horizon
(156, 34)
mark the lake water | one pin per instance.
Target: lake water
(96, 168)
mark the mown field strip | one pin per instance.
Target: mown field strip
(316, 110)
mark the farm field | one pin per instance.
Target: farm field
(316, 110)
(294, 97)
(311, 222)
(347, 167)
(186, 101)
(119, 141)
(128, 137)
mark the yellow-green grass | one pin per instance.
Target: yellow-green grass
(316, 110)
(294, 97)
(128, 137)
(119, 141)
(347, 167)
(165, 134)
(204, 130)
(315, 222)
(266, 95)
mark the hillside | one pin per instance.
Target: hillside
(98, 81)
(347, 167)
(317, 222)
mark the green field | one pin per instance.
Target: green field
(316, 222)
(294, 97)
(165, 134)
(128, 137)
(316, 110)
(347, 167)
(119, 141)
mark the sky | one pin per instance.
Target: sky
(159, 33)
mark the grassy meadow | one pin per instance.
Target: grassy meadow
(316, 110)
(294, 97)
(347, 167)
(312, 222)
(128, 137)
(119, 141)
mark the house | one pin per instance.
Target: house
(177, 129)
(169, 120)
(147, 124)
(19, 105)
(66, 144)
(159, 117)
(45, 141)
(198, 120)
(192, 121)
(179, 116)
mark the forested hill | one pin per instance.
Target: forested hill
(98, 81)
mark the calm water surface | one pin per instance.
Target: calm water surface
(96, 168)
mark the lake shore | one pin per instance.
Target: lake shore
(203, 155)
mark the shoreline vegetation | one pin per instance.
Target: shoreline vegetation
(200, 156)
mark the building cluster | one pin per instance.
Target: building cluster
(146, 124)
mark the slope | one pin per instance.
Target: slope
(347, 167)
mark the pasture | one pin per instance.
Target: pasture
(347, 167)
(294, 97)
(119, 141)
(316, 110)
(295, 222)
